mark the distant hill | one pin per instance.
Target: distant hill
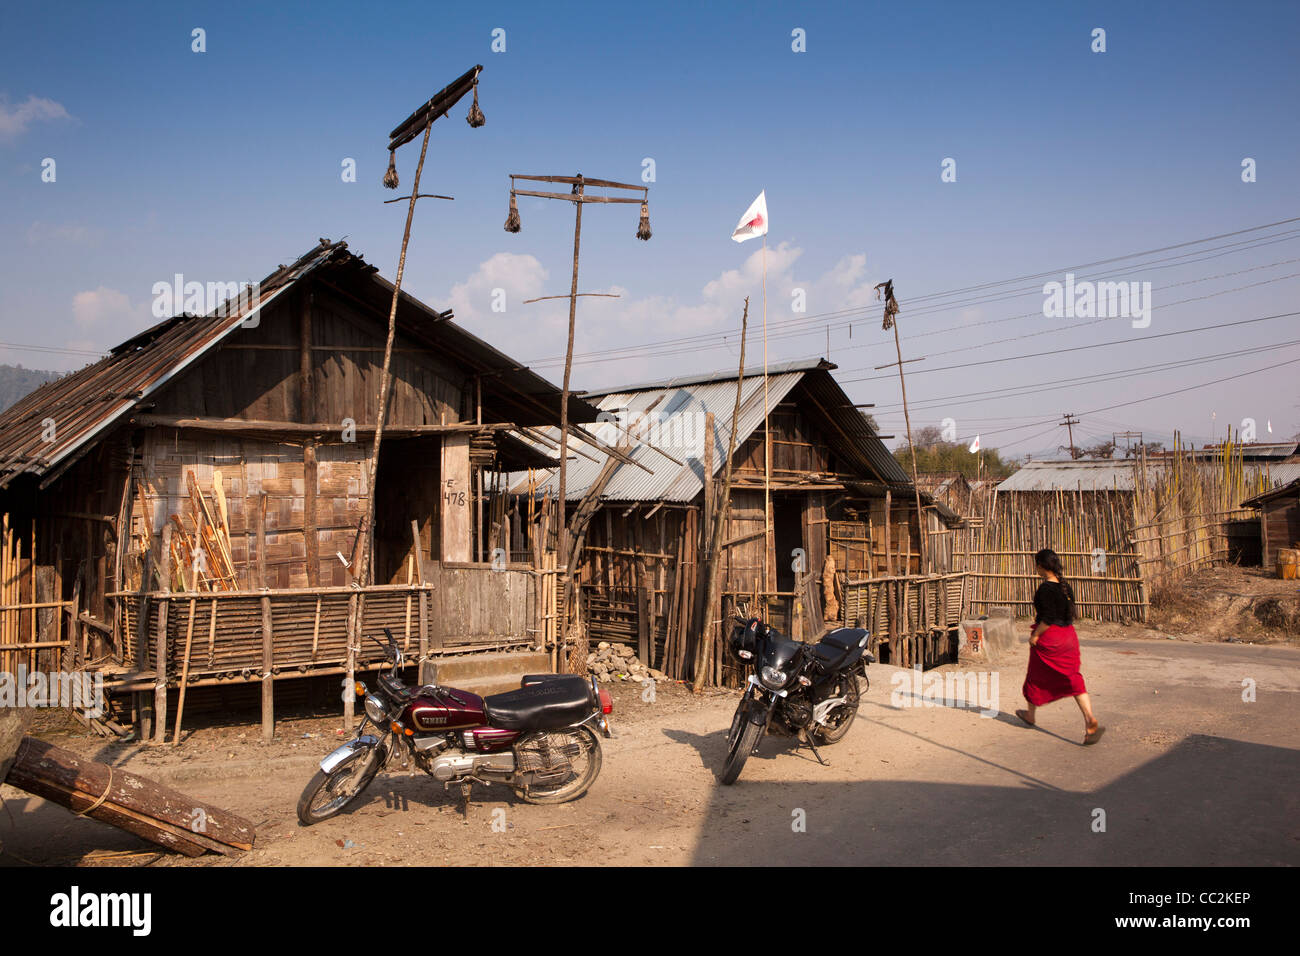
(16, 381)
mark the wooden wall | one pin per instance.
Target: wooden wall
(1279, 521)
(264, 475)
(256, 372)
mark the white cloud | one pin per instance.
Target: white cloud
(538, 331)
(106, 313)
(14, 119)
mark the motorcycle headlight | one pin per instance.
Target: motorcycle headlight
(773, 678)
(375, 709)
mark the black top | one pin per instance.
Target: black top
(1052, 606)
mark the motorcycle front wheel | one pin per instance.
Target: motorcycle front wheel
(741, 741)
(329, 794)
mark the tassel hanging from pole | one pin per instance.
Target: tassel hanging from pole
(512, 220)
(475, 117)
(643, 230)
(390, 177)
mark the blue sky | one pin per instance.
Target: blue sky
(222, 164)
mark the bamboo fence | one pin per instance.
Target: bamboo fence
(1116, 544)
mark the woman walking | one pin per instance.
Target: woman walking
(1054, 648)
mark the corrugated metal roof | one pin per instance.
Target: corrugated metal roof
(674, 412)
(1120, 475)
(1285, 488)
(86, 403)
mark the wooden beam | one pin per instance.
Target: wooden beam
(241, 425)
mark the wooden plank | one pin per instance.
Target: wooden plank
(311, 536)
(268, 680)
(456, 499)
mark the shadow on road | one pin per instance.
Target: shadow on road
(1209, 801)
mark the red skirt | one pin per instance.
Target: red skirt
(1054, 667)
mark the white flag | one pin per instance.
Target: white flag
(1270, 426)
(975, 445)
(754, 221)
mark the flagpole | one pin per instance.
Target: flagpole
(767, 438)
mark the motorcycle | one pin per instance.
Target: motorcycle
(538, 740)
(806, 691)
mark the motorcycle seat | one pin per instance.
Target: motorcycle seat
(842, 647)
(558, 702)
(845, 637)
(830, 656)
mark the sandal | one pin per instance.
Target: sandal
(1093, 733)
(1024, 715)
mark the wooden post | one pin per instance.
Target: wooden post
(268, 679)
(709, 601)
(578, 190)
(160, 646)
(643, 646)
(268, 690)
(889, 538)
(185, 673)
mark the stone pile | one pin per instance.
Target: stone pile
(612, 662)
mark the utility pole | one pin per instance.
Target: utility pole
(1069, 421)
(578, 196)
(891, 310)
(1131, 441)
(421, 121)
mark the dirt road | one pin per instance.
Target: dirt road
(1188, 773)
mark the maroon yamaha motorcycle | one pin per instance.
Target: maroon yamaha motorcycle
(539, 740)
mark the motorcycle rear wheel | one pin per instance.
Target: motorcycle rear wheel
(581, 777)
(741, 743)
(341, 786)
(842, 715)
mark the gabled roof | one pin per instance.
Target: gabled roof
(1289, 490)
(85, 404)
(676, 410)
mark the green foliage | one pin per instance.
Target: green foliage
(16, 382)
(933, 455)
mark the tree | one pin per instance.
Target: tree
(1103, 449)
(934, 456)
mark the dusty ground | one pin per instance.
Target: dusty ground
(1229, 604)
(1188, 773)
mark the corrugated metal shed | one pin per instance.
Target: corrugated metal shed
(672, 414)
(1120, 475)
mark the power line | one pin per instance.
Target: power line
(1082, 348)
(1019, 391)
(819, 318)
(1150, 398)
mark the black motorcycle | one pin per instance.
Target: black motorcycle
(806, 691)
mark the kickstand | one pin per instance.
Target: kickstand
(464, 800)
(807, 738)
